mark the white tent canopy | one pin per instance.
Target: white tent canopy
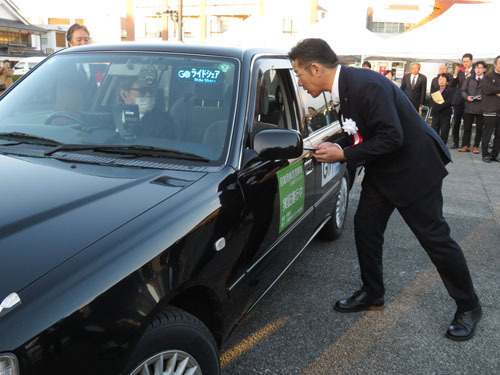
(464, 28)
(344, 28)
(255, 31)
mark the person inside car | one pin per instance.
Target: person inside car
(140, 110)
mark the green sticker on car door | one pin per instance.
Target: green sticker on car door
(291, 183)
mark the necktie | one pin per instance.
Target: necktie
(413, 80)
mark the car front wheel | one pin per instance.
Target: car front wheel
(175, 343)
(334, 227)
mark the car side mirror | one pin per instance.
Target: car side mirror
(276, 144)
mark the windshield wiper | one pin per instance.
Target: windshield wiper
(30, 137)
(130, 149)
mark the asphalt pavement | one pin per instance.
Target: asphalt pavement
(294, 329)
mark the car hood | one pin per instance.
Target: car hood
(53, 210)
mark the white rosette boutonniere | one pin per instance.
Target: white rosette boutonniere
(349, 126)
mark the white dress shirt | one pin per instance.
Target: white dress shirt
(335, 86)
(413, 79)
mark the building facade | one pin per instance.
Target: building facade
(389, 17)
(18, 38)
(203, 20)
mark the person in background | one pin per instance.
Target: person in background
(404, 164)
(332, 113)
(471, 92)
(6, 73)
(490, 92)
(388, 74)
(366, 65)
(77, 35)
(458, 104)
(442, 69)
(441, 112)
(414, 85)
(318, 120)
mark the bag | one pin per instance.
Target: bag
(2, 86)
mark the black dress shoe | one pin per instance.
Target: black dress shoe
(486, 159)
(463, 325)
(455, 146)
(359, 301)
(494, 158)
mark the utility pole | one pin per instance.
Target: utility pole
(180, 21)
(175, 16)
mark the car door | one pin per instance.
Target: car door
(322, 125)
(279, 194)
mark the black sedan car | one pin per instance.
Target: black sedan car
(151, 196)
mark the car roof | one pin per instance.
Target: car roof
(240, 53)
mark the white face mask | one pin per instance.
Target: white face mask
(145, 105)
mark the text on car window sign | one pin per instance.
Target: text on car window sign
(199, 75)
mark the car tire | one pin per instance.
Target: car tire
(334, 227)
(175, 339)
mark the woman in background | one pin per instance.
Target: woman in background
(441, 110)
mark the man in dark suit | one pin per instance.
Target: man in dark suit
(458, 103)
(404, 163)
(414, 85)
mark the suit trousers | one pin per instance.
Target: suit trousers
(441, 124)
(426, 221)
(468, 120)
(491, 127)
(458, 112)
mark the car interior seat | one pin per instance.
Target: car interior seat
(263, 117)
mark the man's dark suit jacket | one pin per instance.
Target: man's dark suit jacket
(457, 83)
(403, 156)
(417, 93)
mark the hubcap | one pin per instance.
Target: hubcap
(341, 208)
(172, 362)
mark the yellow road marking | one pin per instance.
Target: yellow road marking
(252, 340)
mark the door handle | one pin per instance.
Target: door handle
(308, 166)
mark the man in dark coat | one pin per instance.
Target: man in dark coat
(404, 163)
(414, 85)
(471, 93)
(490, 91)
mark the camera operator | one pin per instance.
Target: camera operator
(6, 73)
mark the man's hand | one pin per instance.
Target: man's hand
(329, 153)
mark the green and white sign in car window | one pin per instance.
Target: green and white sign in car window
(292, 193)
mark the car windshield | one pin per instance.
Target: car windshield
(156, 100)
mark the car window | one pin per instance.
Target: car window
(274, 106)
(270, 111)
(319, 112)
(182, 102)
